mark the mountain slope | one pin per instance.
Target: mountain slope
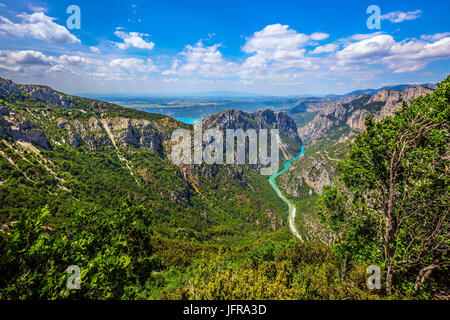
(290, 144)
(68, 152)
(328, 137)
(350, 113)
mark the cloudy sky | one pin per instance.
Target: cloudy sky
(269, 47)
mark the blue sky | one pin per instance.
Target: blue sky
(269, 47)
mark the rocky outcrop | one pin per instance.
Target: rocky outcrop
(334, 116)
(290, 143)
(138, 133)
(393, 100)
(124, 131)
(351, 111)
(47, 94)
(38, 92)
(7, 87)
(262, 119)
(314, 172)
(21, 129)
(135, 132)
(357, 118)
(75, 140)
(279, 120)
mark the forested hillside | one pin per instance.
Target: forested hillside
(88, 183)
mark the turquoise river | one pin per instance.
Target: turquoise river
(292, 209)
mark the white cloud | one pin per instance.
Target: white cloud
(57, 68)
(8, 67)
(365, 49)
(275, 56)
(32, 62)
(95, 49)
(71, 60)
(133, 39)
(120, 69)
(331, 47)
(276, 48)
(202, 60)
(363, 36)
(25, 57)
(39, 26)
(400, 16)
(276, 40)
(434, 37)
(404, 56)
(343, 42)
(319, 36)
(36, 8)
(22, 59)
(133, 64)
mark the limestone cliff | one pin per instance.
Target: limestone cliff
(352, 111)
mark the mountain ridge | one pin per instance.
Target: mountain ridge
(69, 151)
(351, 111)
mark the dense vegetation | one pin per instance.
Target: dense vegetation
(136, 241)
(392, 205)
(121, 256)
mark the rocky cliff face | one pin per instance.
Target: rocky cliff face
(317, 170)
(393, 100)
(290, 144)
(30, 122)
(7, 87)
(38, 92)
(93, 132)
(357, 118)
(47, 94)
(327, 139)
(352, 111)
(308, 174)
(335, 115)
(21, 129)
(110, 131)
(236, 119)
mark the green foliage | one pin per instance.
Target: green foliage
(392, 205)
(302, 271)
(155, 235)
(111, 248)
(122, 257)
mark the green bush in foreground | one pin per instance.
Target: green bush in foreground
(391, 207)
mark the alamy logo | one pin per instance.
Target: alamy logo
(374, 21)
(374, 280)
(235, 147)
(74, 20)
(74, 280)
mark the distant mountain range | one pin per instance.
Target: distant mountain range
(240, 95)
(390, 87)
(316, 104)
(350, 112)
(207, 94)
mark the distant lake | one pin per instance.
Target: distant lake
(188, 120)
(192, 109)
